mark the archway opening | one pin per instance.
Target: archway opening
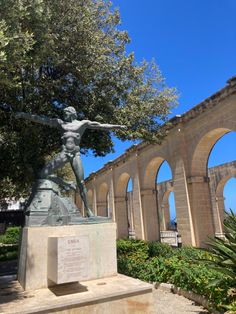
(223, 151)
(221, 168)
(212, 165)
(173, 218)
(230, 195)
(121, 213)
(130, 209)
(164, 173)
(165, 198)
(201, 158)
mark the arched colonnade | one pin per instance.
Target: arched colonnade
(186, 148)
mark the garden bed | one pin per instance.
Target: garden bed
(184, 268)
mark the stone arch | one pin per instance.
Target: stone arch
(102, 192)
(199, 188)
(203, 150)
(149, 196)
(164, 187)
(121, 185)
(121, 205)
(221, 184)
(166, 167)
(102, 200)
(151, 171)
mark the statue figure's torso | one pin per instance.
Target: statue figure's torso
(72, 133)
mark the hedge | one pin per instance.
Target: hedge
(9, 244)
(183, 267)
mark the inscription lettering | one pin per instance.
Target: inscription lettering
(71, 259)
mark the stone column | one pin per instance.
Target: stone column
(165, 208)
(215, 209)
(112, 197)
(220, 203)
(121, 217)
(137, 204)
(214, 204)
(78, 202)
(95, 200)
(200, 200)
(150, 216)
(182, 204)
(102, 209)
(129, 199)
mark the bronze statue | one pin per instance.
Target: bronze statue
(72, 131)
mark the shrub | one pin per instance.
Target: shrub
(131, 256)
(159, 249)
(157, 262)
(9, 244)
(8, 252)
(11, 236)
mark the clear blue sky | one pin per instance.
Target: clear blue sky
(194, 44)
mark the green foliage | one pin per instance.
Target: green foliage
(8, 252)
(231, 307)
(11, 236)
(224, 250)
(132, 255)
(159, 249)
(181, 267)
(63, 53)
(224, 259)
(9, 244)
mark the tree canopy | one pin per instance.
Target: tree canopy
(70, 53)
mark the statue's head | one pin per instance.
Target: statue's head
(69, 114)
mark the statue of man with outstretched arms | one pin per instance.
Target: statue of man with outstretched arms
(72, 131)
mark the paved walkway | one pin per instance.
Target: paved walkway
(169, 303)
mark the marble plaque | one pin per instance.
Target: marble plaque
(68, 258)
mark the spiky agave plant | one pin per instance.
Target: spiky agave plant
(223, 251)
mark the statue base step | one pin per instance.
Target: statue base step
(117, 294)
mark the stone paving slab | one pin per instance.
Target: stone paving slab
(166, 302)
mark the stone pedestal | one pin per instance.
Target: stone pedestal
(62, 254)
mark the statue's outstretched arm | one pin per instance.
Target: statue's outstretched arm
(38, 119)
(100, 126)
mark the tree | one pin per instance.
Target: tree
(61, 53)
